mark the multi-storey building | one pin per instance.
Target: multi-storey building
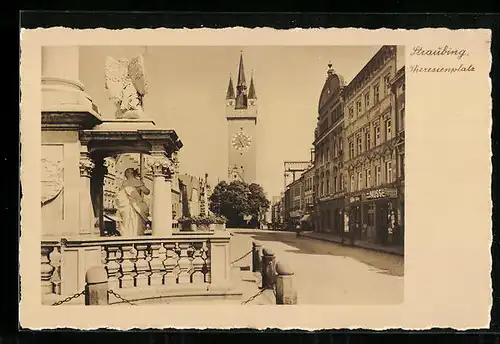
(398, 105)
(276, 212)
(190, 195)
(370, 155)
(293, 203)
(308, 190)
(206, 192)
(328, 163)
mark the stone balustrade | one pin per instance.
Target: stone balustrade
(51, 267)
(146, 261)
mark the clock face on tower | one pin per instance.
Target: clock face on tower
(241, 141)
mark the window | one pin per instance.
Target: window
(352, 183)
(402, 165)
(335, 150)
(358, 143)
(323, 155)
(376, 93)
(388, 172)
(367, 100)
(335, 184)
(360, 180)
(340, 144)
(322, 190)
(368, 178)
(327, 154)
(388, 130)
(351, 150)
(387, 84)
(402, 119)
(327, 184)
(341, 182)
(367, 139)
(377, 175)
(351, 112)
(358, 107)
(377, 134)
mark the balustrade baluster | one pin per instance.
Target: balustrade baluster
(127, 279)
(157, 269)
(55, 262)
(198, 276)
(171, 268)
(142, 265)
(46, 270)
(185, 265)
(206, 257)
(113, 259)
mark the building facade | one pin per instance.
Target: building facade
(370, 157)
(206, 192)
(190, 195)
(329, 183)
(398, 104)
(357, 180)
(241, 116)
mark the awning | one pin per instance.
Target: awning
(305, 218)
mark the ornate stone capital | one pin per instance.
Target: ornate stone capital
(160, 165)
(86, 165)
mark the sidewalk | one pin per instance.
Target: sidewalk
(362, 244)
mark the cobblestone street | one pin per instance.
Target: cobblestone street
(329, 273)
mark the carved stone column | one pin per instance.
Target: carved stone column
(162, 198)
(86, 211)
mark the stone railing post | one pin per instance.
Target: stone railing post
(268, 269)
(96, 288)
(86, 211)
(256, 256)
(285, 291)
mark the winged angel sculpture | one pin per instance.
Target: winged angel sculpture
(127, 85)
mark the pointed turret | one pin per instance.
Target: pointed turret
(230, 89)
(251, 90)
(241, 88)
(241, 73)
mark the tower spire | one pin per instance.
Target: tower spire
(241, 73)
(251, 90)
(230, 89)
(241, 87)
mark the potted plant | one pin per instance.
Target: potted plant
(212, 222)
(203, 223)
(220, 222)
(188, 223)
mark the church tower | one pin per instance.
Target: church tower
(241, 115)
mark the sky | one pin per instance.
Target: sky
(187, 89)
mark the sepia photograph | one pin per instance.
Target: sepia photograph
(255, 178)
(162, 180)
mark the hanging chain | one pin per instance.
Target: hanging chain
(120, 297)
(253, 296)
(69, 298)
(237, 260)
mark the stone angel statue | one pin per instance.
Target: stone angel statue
(127, 85)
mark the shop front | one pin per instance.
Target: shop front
(331, 215)
(373, 215)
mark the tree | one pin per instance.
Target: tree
(237, 200)
(258, 203)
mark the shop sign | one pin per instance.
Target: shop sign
(381, 193)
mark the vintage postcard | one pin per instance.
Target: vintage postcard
(255, 178)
